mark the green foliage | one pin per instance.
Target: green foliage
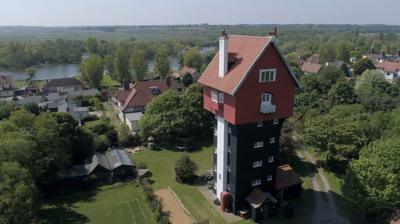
(5, 109)
(171, 115)
(185, 169)
(343, 52)
(18, 194)
(372, 185)
(31, 72)
(307, 100)
(22, 119)
(309, 82)
(138, 64)
(328, 76)
(371, 89)
(342, 93)
(32, 107)
(92, 70)
(193, 59)
(327, 52)
(121, 62)
(362, 65)
(96, 103)
(162, 66)
(187, 80)
(92, 45)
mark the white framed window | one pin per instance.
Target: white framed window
(270, 159)
(268, 75)
(220, 97)
(258, 144)
(214, 96)
(276, 121)
(257, 163)
(266, 98)
(256, 182)
(272, 140)
(259, 124)
(269, 177)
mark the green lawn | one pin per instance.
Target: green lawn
(161, 164)
(119, 203)
(107, 81)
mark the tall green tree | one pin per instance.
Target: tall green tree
(138, 64)
(193, 59)
(162, 66)
(362, 65)
(92, 46)
(121, 62)
(18, 194)
(343, 52)
(31, 72)
(92, 70)
(342, 93)
(372, 183)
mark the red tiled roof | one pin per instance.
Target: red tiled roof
(286, 177)
(140, 94)
(122, 95)
(311, 68)
(314, 59)
(244, 50)
(388, 66)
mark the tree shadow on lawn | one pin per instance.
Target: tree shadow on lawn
(61, 214)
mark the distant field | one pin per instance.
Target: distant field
(120, 203)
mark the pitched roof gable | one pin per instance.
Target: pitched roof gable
(388, 66)
(246, 50)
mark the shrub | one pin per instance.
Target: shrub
(185, 169)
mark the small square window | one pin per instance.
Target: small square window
(214, 95)
(276, 121)
(272, 140)
(256, 182)
(257, 163)
(270, 159)
(267, 75)
(259, 124)
(258, 144)
(269, 178)
(220, 97)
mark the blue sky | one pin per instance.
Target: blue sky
(162, 12)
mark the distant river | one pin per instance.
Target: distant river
(44, 72)
(57, 71)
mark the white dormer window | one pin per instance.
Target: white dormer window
(267, 75)
(256, 182)
(259, 144)
(266, 98)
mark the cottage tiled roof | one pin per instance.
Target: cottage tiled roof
(64, 82)
(311, 68)
(388, 66)
(140, 94)
(244, 51)
(286, 177)
(314, 59)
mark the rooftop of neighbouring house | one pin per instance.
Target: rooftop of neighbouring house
(63, 82)
(314, 59)
(388, 66)
(243, 53)
(286, 177)
(143, 92)
(6, 81)
(311, 68)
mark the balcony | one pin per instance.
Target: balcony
(267, 108)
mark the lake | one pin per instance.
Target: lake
(57, 71)
(44, 72)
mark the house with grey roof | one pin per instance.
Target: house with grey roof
(107, 167)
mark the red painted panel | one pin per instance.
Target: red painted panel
(283, 90)
(244, 107)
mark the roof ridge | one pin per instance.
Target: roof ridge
(241, 35)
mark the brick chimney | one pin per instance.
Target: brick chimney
(126, 85)
(223, 54)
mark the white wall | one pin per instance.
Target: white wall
(222, 151)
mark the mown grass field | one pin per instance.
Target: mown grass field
(119, 203)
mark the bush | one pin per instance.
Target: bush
(185, 169)
(154, 201)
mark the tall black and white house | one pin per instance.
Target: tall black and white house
(250, 89)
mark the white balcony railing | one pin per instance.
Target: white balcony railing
(267, 108)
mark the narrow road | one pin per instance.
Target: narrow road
(325, 209)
